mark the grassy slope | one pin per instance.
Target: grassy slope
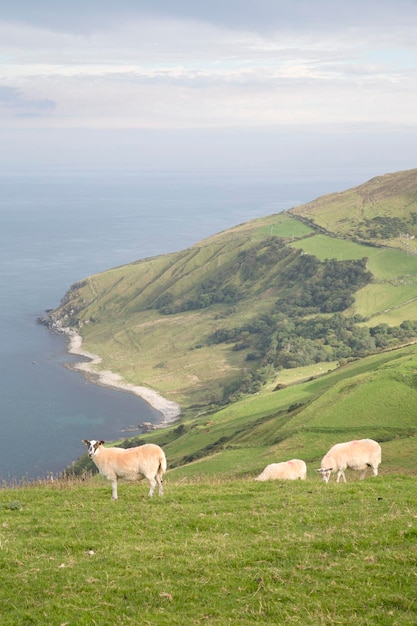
(345, 214)
(373, 397)
(159, 351)
(395, 277)
(169, 353)
(219, 553)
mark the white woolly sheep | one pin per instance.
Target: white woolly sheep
(147, 461)
(287, 470)
(356, 455)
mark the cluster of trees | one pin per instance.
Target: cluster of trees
(385, 227)
(289, 336)
(305, 325)
(302, 281)
(233, 281)
(277, 342)
(283, 342)
(210, 291)
(311, 286)
(254, 262)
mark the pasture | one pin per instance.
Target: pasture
(390, 299)
(326, 247)
(384, 263)
(213, 552)
(373, 397)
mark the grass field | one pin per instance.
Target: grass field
(219, 552)
(388, 196)
(384, 263)
(373, 397)
(390, 299)
(325, 247)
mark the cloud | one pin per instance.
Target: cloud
(252, 15)
(183, 64)
(9, 95)
(12, 99)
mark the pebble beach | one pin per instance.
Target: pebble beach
(169, 410)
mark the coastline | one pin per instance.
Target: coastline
(169, 410)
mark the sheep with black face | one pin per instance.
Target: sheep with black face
(147, 461)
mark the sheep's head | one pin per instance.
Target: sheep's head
(92, 446)
(325, 473)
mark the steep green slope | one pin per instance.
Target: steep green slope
(372, 397)
(382, 210)
(221, 319)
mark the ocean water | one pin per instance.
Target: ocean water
(57, 227)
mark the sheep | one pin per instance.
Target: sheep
(287, 470)
(356, 455)
(147, 461)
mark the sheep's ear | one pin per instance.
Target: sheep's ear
(100, 443)
(87, 443)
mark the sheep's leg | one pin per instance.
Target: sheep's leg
(341, 474)
(375, 470)
(152, 482)
(114, 489)
(160, 485)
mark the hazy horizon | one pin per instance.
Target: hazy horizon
(255, 84)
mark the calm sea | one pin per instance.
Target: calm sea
(59, 227)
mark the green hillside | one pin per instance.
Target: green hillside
(382, 211)
(371, 397)
(190, 324)
(277, 337)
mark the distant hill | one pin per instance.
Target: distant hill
(278, 337)
(382, 211)
(327, 282)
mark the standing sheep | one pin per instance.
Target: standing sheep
(287, 470)
(147, 461)
(356, 455)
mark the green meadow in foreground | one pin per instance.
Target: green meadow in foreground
(223, 553)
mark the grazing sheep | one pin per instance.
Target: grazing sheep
(287, 470)
(356, 455)
(147, 461)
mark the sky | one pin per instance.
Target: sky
(183, 84)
